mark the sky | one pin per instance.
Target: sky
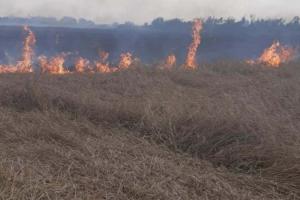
(141, 11)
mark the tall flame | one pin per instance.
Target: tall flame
(191, 62)
(276, 54)
(125, 60)
(25, 64)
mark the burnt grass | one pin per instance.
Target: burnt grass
(225, 131)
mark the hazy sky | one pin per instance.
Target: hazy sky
(140, 11)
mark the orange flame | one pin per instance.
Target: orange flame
(43, 63)
(103, 56)
(170, 62)
(54, 65)
(81, 65)
(192, 51)
(8, 69)
(102, 66)
(25, 64)
(275, 55)
(125, 60)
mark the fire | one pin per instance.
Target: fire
(273, 56)
(54, 65)
(125, 60)
(170, 62)
(103, 56)
(25, 64)
(81, 65)
(191, 62)
(102, 66)
(276, 55)
(8, 69)
(43, 63)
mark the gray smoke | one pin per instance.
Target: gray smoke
(140, 11)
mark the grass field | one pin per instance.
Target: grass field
(225, 131)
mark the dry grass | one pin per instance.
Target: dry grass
(227, 131)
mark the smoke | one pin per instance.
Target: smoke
(140, 11)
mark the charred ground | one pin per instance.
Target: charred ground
(225, 131)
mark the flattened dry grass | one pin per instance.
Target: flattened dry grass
(226, 131)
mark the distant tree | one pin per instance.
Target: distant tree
(68, 21)
(84, 22)
(157, 22)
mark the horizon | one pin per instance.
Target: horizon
(78, 21)
(113, 11)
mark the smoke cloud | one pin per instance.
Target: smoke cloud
(140, 11)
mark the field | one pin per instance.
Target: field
(226, 131)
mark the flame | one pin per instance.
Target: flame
(8, 69)
(102, 66)
(103, 56)
(125, 60)
(192, 51)
(43, 63)
(54, 65)
(273, 56)
(170, 62)
(25, 64)
(81, 65)
(276, 54)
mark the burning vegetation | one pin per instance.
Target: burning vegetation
(191, 62)
(81, 65)
(275, 55)
(170, 62)
(102, 65)
(25, 64)
(55, 65)
(230, 132)
(125, 60)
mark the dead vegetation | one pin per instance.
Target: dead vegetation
(226, 131)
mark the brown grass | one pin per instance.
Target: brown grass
(226, 131)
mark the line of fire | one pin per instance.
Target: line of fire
(273, 56)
